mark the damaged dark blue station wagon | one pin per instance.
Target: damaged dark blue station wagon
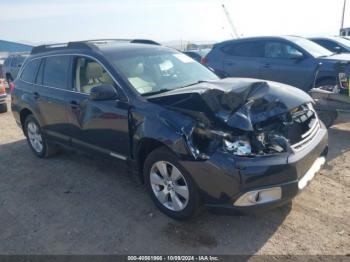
(232, 144)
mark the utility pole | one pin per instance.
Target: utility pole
(342, 19)
(234, 32)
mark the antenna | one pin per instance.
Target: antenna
(234, 32)
(342, 19)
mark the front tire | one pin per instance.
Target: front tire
(171, 187)
(37, 141)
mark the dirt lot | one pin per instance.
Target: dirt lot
(77, 204)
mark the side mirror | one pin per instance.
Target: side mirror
(296, 56)
(337, 49)
(103, 92)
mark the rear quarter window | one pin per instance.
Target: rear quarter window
(30, 70)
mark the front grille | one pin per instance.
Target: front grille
(308, 136)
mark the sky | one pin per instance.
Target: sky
(47, 21)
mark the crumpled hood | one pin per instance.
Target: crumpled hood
(230, 102)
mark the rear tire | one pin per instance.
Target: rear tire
(170, 186)
(3, 108)
(37, 141)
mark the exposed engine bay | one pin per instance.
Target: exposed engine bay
(244, 117)
(283, 133)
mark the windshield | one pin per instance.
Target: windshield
(343, 41)
(156, 72)
(314, 49)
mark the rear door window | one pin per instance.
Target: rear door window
(30, 70)
(56, 72)
(245, 49)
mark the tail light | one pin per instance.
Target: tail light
(204, 60)
(344, 82)
(12, 86)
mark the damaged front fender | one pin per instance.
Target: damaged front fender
(169, 128)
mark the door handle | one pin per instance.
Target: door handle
(36, 95)
(74, 105)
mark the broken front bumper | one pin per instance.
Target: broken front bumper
(225, 179)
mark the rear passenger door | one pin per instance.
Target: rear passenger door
(243, 59)
(52, 92)
(101, 126)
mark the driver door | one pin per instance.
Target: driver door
(100, 126)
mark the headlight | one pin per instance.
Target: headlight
(240, 146)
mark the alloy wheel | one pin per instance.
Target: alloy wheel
(35, 137)
(169, 186)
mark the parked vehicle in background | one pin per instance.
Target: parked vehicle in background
(335, 44)
(197, 55)
(12, 65)
(345, 32)
(232, 144)
(287, 59)
(3, 96)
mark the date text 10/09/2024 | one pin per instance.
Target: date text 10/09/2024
(173, 258)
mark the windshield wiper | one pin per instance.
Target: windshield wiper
(195, 83)
(157, 92)
(166, 89)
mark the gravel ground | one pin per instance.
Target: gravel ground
(77, 204)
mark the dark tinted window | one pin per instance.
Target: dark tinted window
(280, 50)
(245, 49)
(55, 71)
(30, 70)
(326, 43)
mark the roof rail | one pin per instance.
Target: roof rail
(87, 44)
(62, 46)
(111, 40)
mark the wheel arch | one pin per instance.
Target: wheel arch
(144, 148)
(24, 113)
